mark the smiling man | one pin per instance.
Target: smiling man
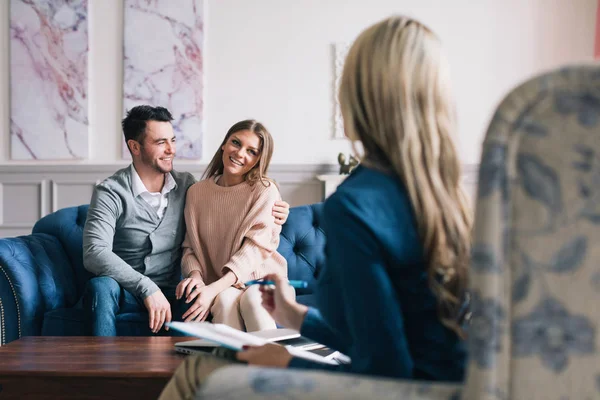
(135, 227)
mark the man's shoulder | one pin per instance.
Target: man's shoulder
(183, 179)
(114, 190)
(120, 179)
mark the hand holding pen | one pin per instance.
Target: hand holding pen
(279, 299)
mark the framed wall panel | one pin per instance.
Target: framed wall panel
(22, 203)
(70, 193)
(340, 50)
(168, 69)
(29, 192)
(49, 79)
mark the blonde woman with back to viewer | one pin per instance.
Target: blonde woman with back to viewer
(398, 228)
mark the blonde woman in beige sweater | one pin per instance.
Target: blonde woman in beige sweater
(231, 235)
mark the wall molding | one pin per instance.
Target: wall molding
(181, 166)
(29, 192)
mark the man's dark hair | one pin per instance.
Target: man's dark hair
(134, 124)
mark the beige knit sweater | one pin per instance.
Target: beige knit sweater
(231, 228)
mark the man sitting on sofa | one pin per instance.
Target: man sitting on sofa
(135, 227)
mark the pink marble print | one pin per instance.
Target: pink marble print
(163, 65)
(49, 79)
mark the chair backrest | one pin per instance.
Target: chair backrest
(535, 273)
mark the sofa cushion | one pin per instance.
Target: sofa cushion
(70, 322)
(64, 322)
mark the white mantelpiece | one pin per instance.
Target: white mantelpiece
(330, 182)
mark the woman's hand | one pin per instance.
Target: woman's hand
(189, 286)
(280, 302)
(199, 310)
(268, 355)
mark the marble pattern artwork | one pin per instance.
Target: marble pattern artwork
(163, 65)
(340, 52)
(49, 79)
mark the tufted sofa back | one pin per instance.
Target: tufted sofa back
(302, 241)
(67, 225)
(302, 244)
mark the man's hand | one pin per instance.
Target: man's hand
(281, 211)
(199, 310)
(268, 355)
(159, 310)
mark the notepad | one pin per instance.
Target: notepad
(281, 336)
(234, 339)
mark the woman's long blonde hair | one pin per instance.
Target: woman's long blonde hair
(395, 99)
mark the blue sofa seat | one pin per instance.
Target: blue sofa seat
(42, 277)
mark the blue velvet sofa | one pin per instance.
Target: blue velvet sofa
(42, 277)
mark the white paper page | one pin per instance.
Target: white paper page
(242, 337)
(272, 335)
(206, 330)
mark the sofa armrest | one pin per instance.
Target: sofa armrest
(35, 277)
(248, 383)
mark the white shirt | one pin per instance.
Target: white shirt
(158, 200)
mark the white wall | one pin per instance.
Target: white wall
(272, 60)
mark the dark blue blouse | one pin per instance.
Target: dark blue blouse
(374, 302)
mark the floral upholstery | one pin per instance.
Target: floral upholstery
(250, 383)
(535, 274)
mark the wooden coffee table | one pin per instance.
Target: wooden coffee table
(42, 367)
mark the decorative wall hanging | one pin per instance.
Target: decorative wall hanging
(340, 51)
(49, 79)
(164, 65)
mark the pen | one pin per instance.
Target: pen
(294, 284)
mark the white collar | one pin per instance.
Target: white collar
(138, 186)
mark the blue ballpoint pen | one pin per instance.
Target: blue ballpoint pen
(294, 284)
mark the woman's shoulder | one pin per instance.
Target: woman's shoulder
(200, 186)
(266, 187)
(203, 183)
(371, 194)
(365, 177)
(370, 185)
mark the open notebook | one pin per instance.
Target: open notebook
(234, 339)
